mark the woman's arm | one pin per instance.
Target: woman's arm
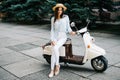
(52, 29)
(52, 32)
(68, 26)
(72, 33)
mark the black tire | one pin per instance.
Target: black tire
(99, 64)
(48, 60)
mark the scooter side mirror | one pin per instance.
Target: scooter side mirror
(72, 24)
(88, 20)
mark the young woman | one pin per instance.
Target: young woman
(59, 28)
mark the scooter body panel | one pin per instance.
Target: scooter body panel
(92, 50)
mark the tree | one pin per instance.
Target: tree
(23, 10)
(35, 10)
(77, 9)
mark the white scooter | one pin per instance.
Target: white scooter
(92, 51)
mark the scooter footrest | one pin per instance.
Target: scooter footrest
(75, 59)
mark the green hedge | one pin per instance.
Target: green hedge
(36, 10)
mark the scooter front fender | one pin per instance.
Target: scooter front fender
(92, 50)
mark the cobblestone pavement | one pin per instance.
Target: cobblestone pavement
(21, 55)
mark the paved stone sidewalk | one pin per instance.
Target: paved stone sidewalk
(21, 55)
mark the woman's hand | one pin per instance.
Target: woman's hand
(53, 43)
(72, 33)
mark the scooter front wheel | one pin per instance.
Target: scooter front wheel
(99, 64)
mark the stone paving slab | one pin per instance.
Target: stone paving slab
(21, 37)
(82, 70)
(21, 47)
(5, 51)
(103, 35)
(18, 31)
(17, 36)
(42, 35)
(40, 42)
(35, 52)
(43, 75)
(98, 39)
(32, 28)
(112, 58)
(28, 28)
(24, 68)
(4, 75)
(21, 58)
(118, 65)
(6, 41)
(109, 74)
(12, 58)
(26, 39)
(1, 36)
(115, 49)
(108, 43)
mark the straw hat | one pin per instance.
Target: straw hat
(59, 5)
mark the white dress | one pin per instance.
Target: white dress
(59, 30)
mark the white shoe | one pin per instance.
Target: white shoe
(51, 74)
(57, 69)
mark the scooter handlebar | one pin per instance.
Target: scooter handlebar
(81, 30)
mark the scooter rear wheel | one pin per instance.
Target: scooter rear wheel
(47, 58)
(99, 64)
(48, 61)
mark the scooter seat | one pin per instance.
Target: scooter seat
(65, 51)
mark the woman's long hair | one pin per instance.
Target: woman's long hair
(56, 13)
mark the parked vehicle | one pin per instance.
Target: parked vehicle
(92, 51)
